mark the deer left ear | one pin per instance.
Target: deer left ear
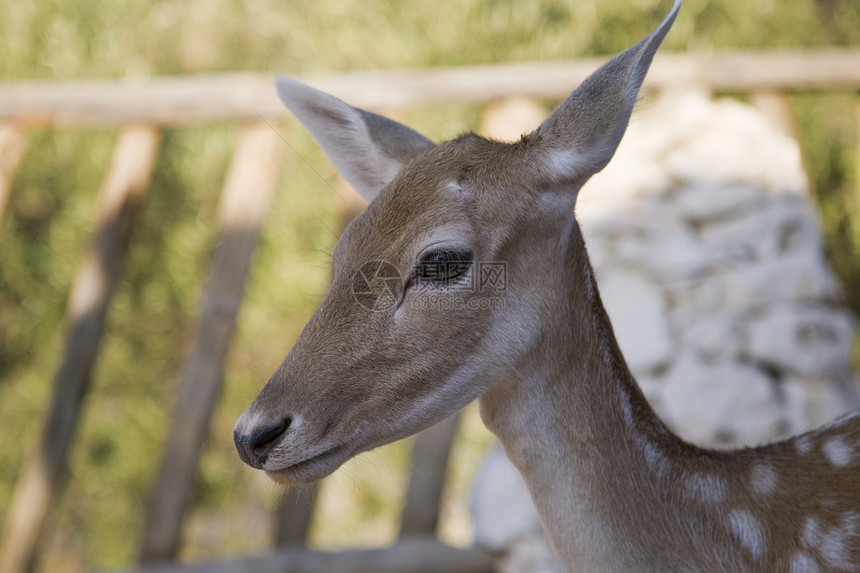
(367, 149)
(581, 136)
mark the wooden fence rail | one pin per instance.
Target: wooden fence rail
(230, 97)
(139, 108)
(416, 555)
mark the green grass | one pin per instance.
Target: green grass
(52, 212)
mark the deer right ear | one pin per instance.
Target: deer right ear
(367, 149)
(581, 136)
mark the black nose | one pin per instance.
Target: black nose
(254, 449)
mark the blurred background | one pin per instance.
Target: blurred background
(51, 215)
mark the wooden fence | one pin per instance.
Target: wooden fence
(139, 110)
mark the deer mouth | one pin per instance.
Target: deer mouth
(319, 465)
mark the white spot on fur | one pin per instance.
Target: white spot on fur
(626, 407)
(803, 444)
(456, 189)
(764, 478)
(850, 521)
(655, 459)
(833, 545)
(589, 282)
(811, 537)
(608, 352)
(833, 548)
(704, 487)
(802, 563)
(748, 531)
(838, 451)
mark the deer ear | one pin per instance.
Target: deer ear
(366, 148)
(581, 136)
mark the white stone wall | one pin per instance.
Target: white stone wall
(709, 260)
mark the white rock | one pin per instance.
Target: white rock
(637, 310)
(743, 290)
(689, 300)
(628, 176)
(670, 252)
(772, 229)
(531, 554)
(799, 277)
(702, 203)
(738, 144)
(807, 340)
(600, 249)
(712, 336)
(725, 404)
(603, 221)
(501, 505)
(669, 123)
(810, 403)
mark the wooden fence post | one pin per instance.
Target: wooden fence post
(857, 154)
(777, 107)
(427, 480)
(245, 200)
(120, 197)
(510, 118)
(293, 515)
(13, 142)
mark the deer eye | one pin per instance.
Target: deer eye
(443, 265)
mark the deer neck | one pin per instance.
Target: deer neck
(578, 428)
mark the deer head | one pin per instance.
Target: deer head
(447, 283)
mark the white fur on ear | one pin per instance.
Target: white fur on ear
(367, 149)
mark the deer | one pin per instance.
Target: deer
(406, 336)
